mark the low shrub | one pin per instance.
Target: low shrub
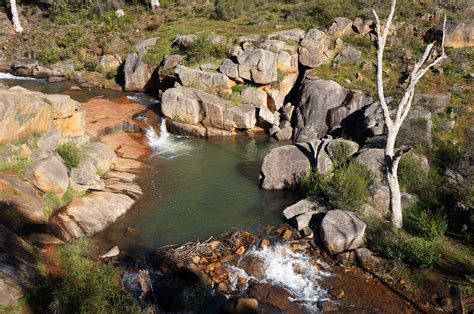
(411, 174)
(70, 153)
(347, 188)
(81, 285)
(397, 244)
(430, 224)
(231, 9)
(203, 50)
(48, 56)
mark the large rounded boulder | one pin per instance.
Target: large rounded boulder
(49, 175)
(342, 231)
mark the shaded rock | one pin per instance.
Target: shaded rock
(90, 214)
(198, 130)
(42, 73)
(341, 26)
(458, 35)
(362, 257)
(166, 71)
(246, 306)
(18, 271)
(342, 231)
(316, 98)
(416, 129)
(101, 155)
(373, 158)
(253, 266)
(374, 123)
(24, 66)
(20, 202)
(271, 295)
(137, 74)
(348, 55)
(258, 65)
(283, 164)
(214, 83)
(48, 175)
(266, 118)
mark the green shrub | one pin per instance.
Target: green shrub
(203, 50)
(48, 56)
(231, 9)
(70, 153)
(81, 285)
(397, 244)
(431, 224)
(347, 188)
(411, 174)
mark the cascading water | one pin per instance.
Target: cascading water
(167, 145)
(295, 272)
(8, 76)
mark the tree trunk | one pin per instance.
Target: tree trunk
(155, 4)
(15, 19)
(391, 165)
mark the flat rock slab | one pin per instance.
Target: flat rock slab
(92, 213)
(105, 116)
(128, 165)
(127, 145)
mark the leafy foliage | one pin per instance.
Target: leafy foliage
(427, 223)
(70, 153)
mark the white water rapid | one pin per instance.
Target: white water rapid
(8, 76)
(167, 145)
(290, 270)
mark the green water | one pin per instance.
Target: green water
(209, 188)
(192, 190)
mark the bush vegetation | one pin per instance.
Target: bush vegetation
(347, 188)
(80, 285)
(70, 153)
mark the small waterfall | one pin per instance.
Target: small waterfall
(8, 76)
(296, 272)
(167, 145)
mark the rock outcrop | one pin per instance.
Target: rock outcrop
(49, 175)
(458, 35)
(31, 113)
(342, 231)
(18, 271)
(283, 164)
(90, 214)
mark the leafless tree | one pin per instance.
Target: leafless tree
(15, 19)
(393, 124)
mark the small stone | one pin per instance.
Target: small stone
(196, 259)
(111, 253)
(265, 243)
(240, 251)
(337, 293)
(287, 235)
(215, 245)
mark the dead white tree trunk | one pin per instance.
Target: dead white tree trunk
(15, 19)
(392, 157)
(155, 4)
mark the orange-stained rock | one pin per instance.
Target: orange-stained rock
(265, 242)
(240, 251)
(128, 145)
(105, 116)
(128, 165)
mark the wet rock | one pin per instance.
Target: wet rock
(214, 83)
(341, 26)
(342, 231)
(90, 214)
(271, 295)
(20, 202)
(48, 175)
(42, 73)
(18, 271)
(253, 266)
(246, 306)
(283, 164)
(198, 130)
(192, 274)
